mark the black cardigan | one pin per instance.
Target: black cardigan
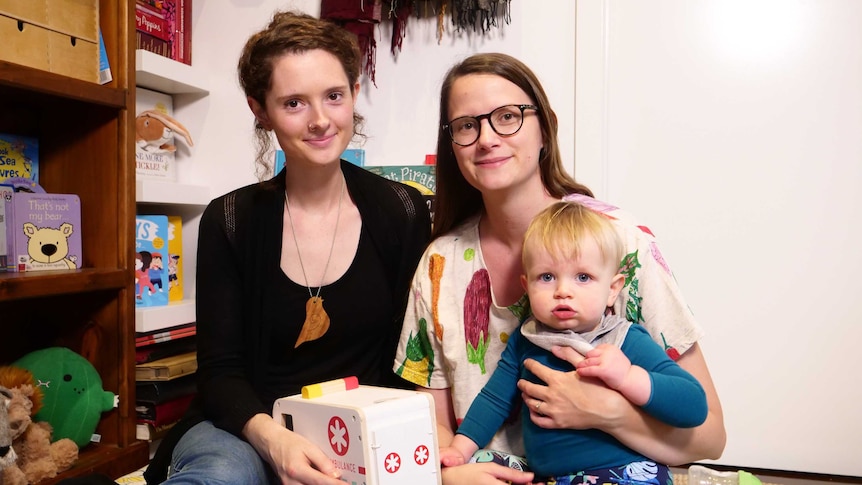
(239, 233)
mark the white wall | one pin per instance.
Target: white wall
(401, 112)
(733, 129)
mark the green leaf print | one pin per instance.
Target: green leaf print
(477, 355)
(521, 308)
(419, 361)
(629, 266)
(634, 311)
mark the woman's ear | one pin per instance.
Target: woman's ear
(259, 113)
(616, 286)
(355, 92)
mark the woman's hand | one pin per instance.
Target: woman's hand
(569, 401)
(295, 459)
(484, 474)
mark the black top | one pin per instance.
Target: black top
(245, 357)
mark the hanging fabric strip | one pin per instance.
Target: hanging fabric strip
(360, 17)
(479, 15)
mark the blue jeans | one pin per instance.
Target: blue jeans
(208, 455)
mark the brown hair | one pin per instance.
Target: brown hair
(455, 199)
(292, 33)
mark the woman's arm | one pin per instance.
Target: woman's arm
(573, 402)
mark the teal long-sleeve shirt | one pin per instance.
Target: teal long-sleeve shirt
(677, 398)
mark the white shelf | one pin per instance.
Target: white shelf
(155, 192)
(150, 319)
(159, 73)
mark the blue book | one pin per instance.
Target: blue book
(19, 157)
(151, 252)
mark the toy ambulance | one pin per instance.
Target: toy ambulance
(373, 435)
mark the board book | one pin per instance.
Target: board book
(19, 157)
(151, 272)
(43, 231)
(4, 189)
(175, 258)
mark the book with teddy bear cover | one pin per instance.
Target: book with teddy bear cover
(43, 231)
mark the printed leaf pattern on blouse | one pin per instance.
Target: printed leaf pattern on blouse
(628, 268)
(435, 272)
(419, 355)
(477, 308)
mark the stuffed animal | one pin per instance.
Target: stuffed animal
(36, 457)
(73, 396)
(7, 453)
(154, 130)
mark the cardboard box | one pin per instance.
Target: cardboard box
(373, 435)
(60, 36)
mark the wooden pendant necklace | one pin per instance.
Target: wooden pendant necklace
(316, 320)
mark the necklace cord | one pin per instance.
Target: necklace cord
(331, 247)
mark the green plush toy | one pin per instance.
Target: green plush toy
(73, 396)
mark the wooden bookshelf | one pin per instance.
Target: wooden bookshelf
(85, 134)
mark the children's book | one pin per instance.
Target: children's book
(175, 258)
(421, 177)
(159, 336)
(156, 136)
(19, 157)
(151, 272)
(4, 189)
(43, 231)
(167, 368)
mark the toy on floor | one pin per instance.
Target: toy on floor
(36, 457)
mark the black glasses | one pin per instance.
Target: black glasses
(505, 121)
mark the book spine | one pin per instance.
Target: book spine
(143, 341)
(153, 44)
(184, 23)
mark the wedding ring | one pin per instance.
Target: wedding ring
(538, 405)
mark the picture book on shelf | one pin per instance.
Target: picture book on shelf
(4, 189)
(156, 135)
(151, 272)
(43, 231)
(175, 258)
(19, 157)
(421, 177)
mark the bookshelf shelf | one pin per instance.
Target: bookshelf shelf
(168, 76)
(154, 192)
(161, 317)
(15, 286)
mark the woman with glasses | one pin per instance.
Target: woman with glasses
(498, 165)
